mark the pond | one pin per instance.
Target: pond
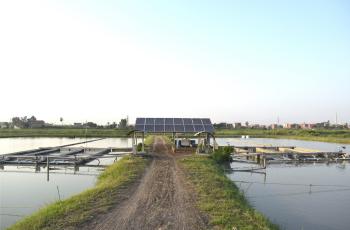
(25, 189)
(283, 193)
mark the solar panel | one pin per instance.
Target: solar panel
(179, 128)
(150, 121)
(169, 128)
(159, 128)
(159, 121)
(170, 125)
(140, 121)
(197, 121)
(187, 121)
(206, 121)
(169, 121)
(189, 128)
(139, 127)
(208, 128)
(198, 128)
(178, 121)
(149, 128)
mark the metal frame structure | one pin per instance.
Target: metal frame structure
(174, 126)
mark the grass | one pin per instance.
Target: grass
(324, 135)
(219, 197)
(73, 212)
(63, 132)
(334, 136)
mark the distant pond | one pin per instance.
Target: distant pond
(284, 193)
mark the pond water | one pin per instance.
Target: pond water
(25, 189)
(283, 193)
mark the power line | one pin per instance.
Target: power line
(291, 184)
(299, 193)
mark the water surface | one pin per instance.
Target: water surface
(283, 193)
(25, 189)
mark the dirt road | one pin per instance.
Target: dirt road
(162, 200)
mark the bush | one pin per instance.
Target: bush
(139, 147)
(223, 154)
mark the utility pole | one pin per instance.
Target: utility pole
(336, 118)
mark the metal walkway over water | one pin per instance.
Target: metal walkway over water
(62, 155)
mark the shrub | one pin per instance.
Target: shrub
(223, 154)
(139, 147)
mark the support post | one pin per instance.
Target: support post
(143, 141)
(208, 143)
(48, 168)
(134, 150)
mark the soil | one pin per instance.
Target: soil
(160, 200)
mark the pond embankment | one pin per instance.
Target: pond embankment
(219, 197)
(82, 208)
(166, 191)
(324, 135)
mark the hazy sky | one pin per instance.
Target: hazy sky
(227, 60)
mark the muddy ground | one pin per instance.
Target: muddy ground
(160, 200)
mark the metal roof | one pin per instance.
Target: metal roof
(174, 125)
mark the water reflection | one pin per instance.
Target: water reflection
(24, 189)
(299, 195)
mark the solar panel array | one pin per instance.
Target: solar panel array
(174, 125)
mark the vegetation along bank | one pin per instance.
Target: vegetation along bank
(219, 197)
(334, 136)
(82, 208)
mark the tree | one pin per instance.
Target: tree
(123, 124)
(32, 118)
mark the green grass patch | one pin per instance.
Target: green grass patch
(220, 198)
(72, 212)
(149, 140)
(324, 135)
(63, 132)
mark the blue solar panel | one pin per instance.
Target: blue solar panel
(169, 121)
(170, 125)
(140, 121)
(169, 128)
(187, 121)
(197, 121)
(149, 121)
(159, 128)
(139, 127)
(178, 121)
(206, 121)
(179, 128)
(149, 128)
(159, 121)
(198, 128)
(189, 128)
(208, 128)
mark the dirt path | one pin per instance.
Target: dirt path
(161, 201)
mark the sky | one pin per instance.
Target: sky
(231, 61)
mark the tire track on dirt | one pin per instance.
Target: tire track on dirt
(160, 201)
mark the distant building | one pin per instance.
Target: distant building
(257, 126)
(291, 126)
(36, 124)
(307, 126)
(275, 126)
(237, 125)
(323, 125)
(78, 125)
(4, 125)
